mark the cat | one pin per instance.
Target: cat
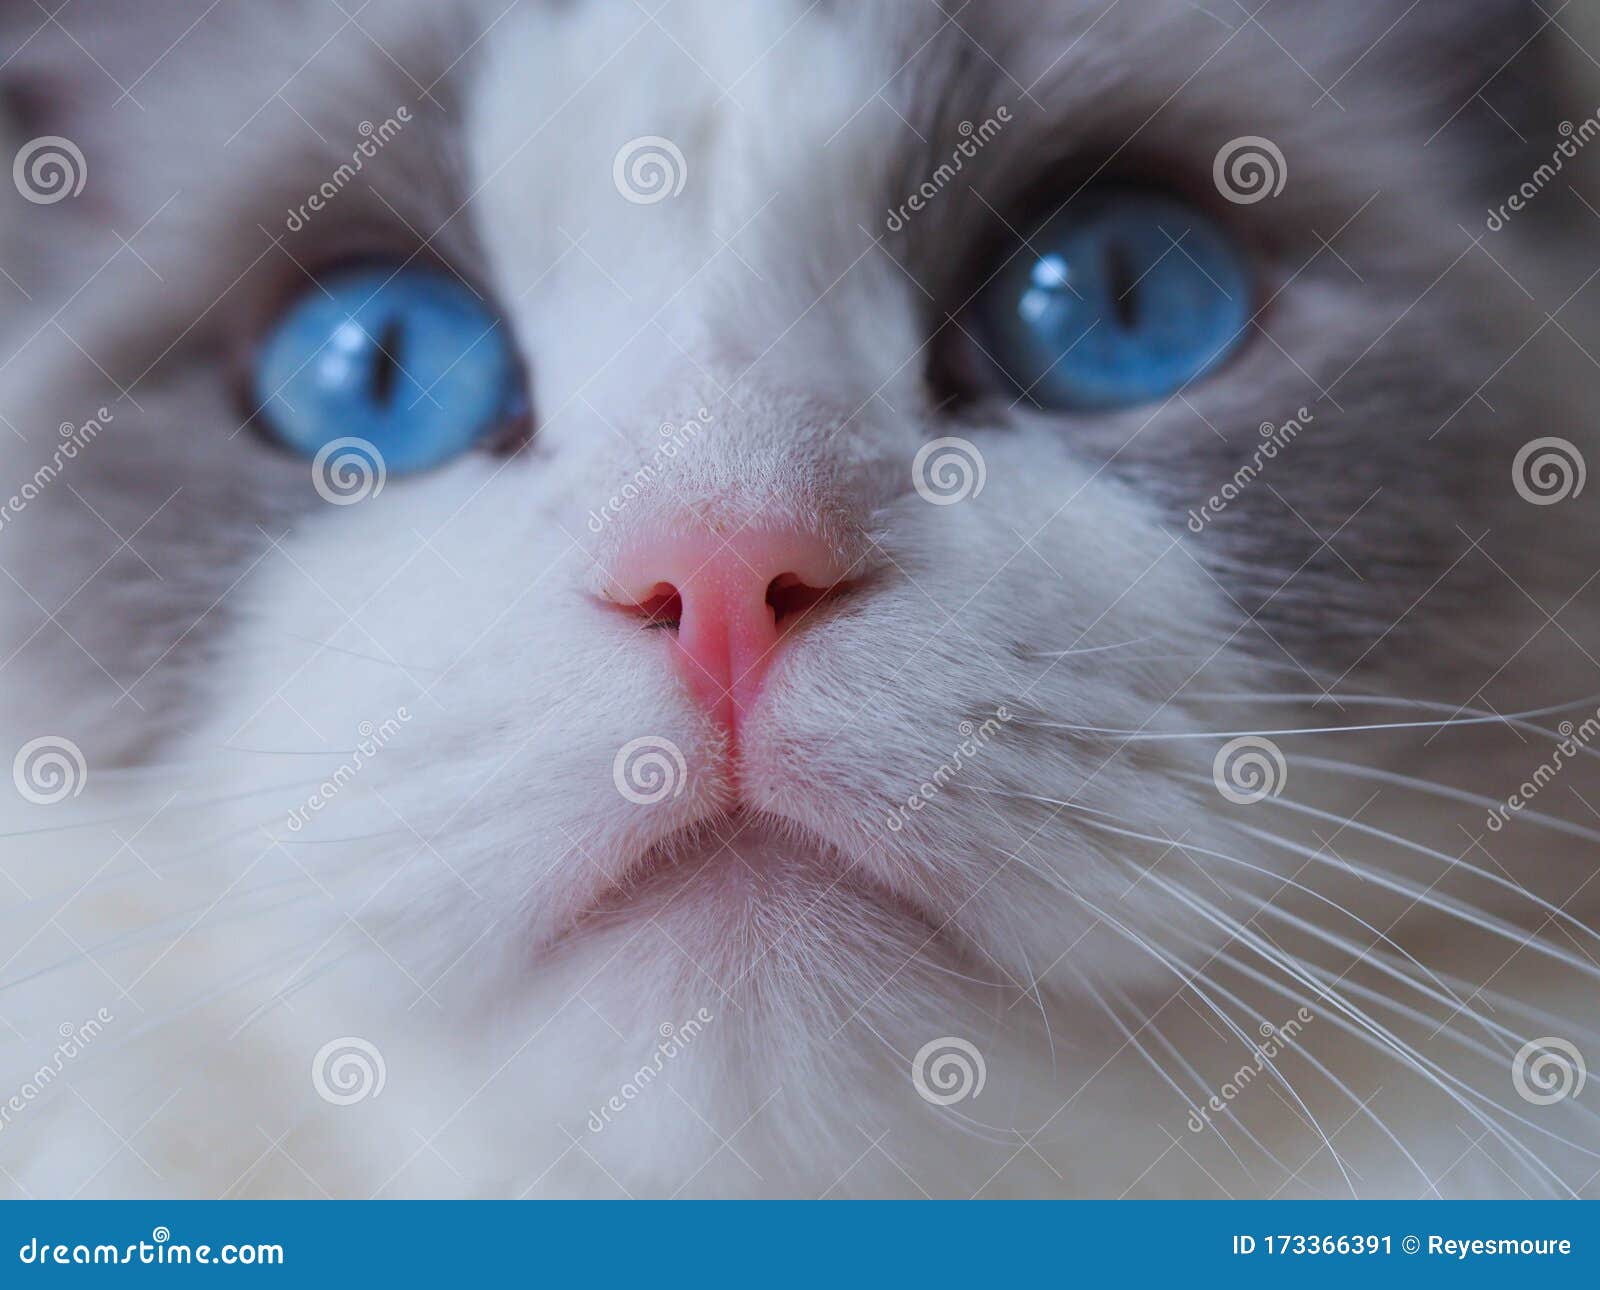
(1135, 800)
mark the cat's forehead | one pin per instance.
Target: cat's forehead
(802, 122)
(817, 84)
(729, 168)
(842, 108)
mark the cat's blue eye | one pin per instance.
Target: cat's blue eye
(1121, 299)
(409, 360)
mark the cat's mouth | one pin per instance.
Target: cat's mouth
(739, 867)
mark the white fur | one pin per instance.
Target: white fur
(482, 905)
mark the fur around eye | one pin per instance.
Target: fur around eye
(409, 360)
(1121, 299)
(994, 600)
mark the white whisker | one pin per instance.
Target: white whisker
(1527, 814)
(1450, 862)
(1436, 1073)
(1141, 735)
(1189, 980)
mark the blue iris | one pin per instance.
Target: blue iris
(1122, 299)
(408, 359)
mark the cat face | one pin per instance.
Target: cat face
(744, 291)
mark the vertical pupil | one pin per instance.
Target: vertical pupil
(386, 362)
(1123, 281)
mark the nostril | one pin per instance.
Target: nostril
(791, 598)
(727, 596)
(662, 607)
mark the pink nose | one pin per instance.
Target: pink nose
(731, 599)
